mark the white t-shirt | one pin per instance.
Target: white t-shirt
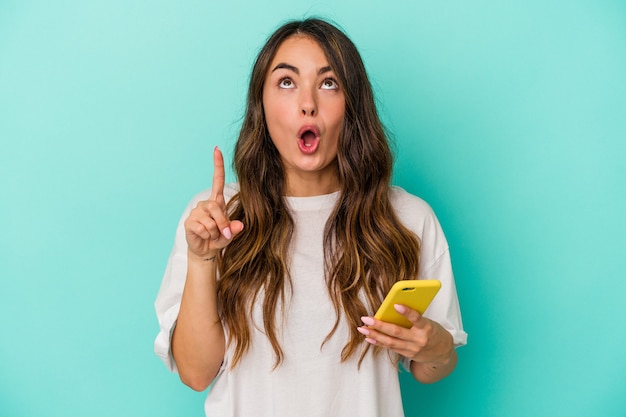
(312, 380)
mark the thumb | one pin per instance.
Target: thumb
(411, 315)
(236, 227)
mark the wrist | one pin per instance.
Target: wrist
(429, 372)
(204, 259)
(444, 360)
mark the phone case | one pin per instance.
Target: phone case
(415, 294)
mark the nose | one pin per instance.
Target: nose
(308, 102)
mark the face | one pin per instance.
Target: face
(304, 109)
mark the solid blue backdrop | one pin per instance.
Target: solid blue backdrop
(507, 117)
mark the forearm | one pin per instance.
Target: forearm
(430, 372)
(198, 342)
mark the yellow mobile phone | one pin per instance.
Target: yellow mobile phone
(415, 294)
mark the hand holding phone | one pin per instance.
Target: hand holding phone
(415, 294)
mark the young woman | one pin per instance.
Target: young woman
(272, 283)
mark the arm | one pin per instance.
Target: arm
(430, 343)
(198, 342)
(427, 373)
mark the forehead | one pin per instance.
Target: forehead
(300, 49)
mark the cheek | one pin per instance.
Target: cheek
(338, 117)
(275, 113)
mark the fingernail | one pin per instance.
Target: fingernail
(400, 308)
(371, 341)
(363, 330)
(227, 233)
(368, 321)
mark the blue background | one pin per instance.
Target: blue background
(508, 117)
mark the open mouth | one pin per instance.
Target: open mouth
(308, 139)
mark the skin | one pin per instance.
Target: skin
(198, 342)
(429, 346)
(300, 90)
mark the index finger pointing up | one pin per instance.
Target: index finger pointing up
(217, 189)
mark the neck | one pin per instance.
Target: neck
(310, 184)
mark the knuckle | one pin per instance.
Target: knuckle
(420, 343)
(191, 225)
(393, 344)
(210, 205)
(395, 331)
(413, 315)
(201, 231)
(428, 328)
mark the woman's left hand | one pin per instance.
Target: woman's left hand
(425, 342)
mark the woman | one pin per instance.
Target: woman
(272, 282)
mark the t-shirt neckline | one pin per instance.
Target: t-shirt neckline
(315, 202)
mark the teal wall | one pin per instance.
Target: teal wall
(509, 117)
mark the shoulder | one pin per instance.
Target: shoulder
(412, 211)
(417, 215)
(401, 200)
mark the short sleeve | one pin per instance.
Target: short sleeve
(167, 303)
(434, 263)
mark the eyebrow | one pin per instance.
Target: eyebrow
(286, 66)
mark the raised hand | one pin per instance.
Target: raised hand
(208, 228)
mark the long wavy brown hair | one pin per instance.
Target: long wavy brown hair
(367, 248)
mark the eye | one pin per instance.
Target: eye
(330, 84)
(286, 82)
